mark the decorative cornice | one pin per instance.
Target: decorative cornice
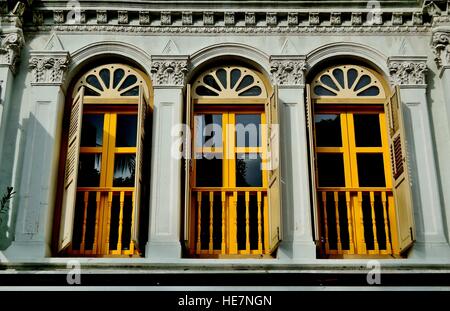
(441, 48)
(48, 67)
(276, 20)
(287, 70)
(408, 70)
(169, 70)
(141, 29)
(10, 47)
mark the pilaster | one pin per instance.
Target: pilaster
(288, 73)
(168, 77)
(409, 72)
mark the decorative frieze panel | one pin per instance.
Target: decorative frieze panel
(417, 18)
(441, 48)
(407, 70)
(48, 68)
(314, 18)
(186, 18)
(335, 19)
(356, 18)
(208, 18)
(144, 18)
(250, 19)
(397, 18)
(169, 70)
(229, 18)
(10, 46)
(166, 18)
(122, 17)
(292, 19)
(287, 70)
(102, 17)
(58, 16)
(271, 19)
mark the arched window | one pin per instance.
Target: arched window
(103, 181)
(232, 178)
(362, 192)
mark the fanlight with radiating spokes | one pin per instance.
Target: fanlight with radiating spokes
(229, 81)
(112, 81)
(347, 81)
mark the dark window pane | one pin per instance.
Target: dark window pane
(129, 81)
(371, 91)
(326, 79)
(126, 130)
(248, 170)
(90, 92)
(203, 91)
(104, 74)
(92, 80)
(246, 81)
(321, 91)
(235, 75)
(92, 130)
(131, 92)
(328, 130)
(209, 80)
(89, 170)
(208, 130)
(363, 81)
(124, 170)
(247, 130)
(222, 76)
(208, 170)
(118, 75)
(331, 170)
(339, 75)
(253, 91)
(367, 130)
(351, 76)
(371, 170)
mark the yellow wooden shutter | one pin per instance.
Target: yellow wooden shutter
(188, 228)
(274, 187)
(400, 172)
(138, 184)
(312, 161)
(71, 171)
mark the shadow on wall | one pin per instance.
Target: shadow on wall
(13, 153)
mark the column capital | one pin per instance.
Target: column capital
(169, 71)
(10, 47)
(408, 70)
(288, 71)
(441, 47)
(48, 67)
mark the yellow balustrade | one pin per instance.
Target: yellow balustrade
(98, 243)
(366, 227)
(225, 212)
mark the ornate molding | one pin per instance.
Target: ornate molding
(169, 71)
(48, 68)
(10, 48)
(122, 17)
(208, 18)
(286, 70)
(441, 48)
(407, 70)
(142, 29)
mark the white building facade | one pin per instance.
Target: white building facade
(47, 47)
